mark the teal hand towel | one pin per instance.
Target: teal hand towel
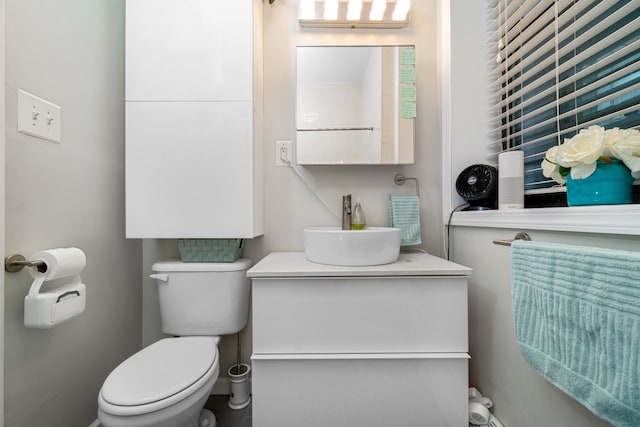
(576, 314)
(404, 213)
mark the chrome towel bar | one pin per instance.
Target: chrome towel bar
(519, 236)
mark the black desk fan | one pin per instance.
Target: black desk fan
(478, 185)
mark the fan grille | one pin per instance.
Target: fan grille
(476, 182)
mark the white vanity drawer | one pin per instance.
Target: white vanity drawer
(360, 315)
(360, 390)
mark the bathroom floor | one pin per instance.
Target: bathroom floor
(225, 416)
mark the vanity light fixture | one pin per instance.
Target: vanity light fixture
(354, 14)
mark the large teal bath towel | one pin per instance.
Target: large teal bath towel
(576, 313)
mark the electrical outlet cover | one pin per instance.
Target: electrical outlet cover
(284, 154)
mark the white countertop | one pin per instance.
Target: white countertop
(294, 264)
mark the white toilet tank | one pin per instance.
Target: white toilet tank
(203, 298)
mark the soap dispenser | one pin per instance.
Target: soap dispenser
(357, 218)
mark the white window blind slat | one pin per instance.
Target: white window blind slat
(574, 112)
(593, 88)
(615, 57)
(558, 66)
(572, 63)
(528, 20)
(525, 37)
(547, 48)
(571, 130)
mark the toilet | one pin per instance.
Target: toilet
(168, 383)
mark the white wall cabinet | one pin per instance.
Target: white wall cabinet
(376, 346)
(194, 119)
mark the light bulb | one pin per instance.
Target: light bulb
(377, 10)
(331, 10)
(354, 9)
(307, 9)
(401, 10)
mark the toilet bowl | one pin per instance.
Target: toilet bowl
(163, 385)
(167, 383)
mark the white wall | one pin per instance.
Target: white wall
(70, 52)
(522, 398)
(52, 377)
(290, 206)
(465, 93)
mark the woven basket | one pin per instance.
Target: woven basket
(210, 250)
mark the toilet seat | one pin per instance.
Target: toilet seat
(160, 375)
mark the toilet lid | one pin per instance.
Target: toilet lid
(160, 370)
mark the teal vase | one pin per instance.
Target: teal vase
(610, 184)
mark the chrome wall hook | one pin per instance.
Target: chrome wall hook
(16, 262)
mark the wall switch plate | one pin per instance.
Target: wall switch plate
(38, 117)
(284, 153)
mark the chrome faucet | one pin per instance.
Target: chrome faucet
(346, 212)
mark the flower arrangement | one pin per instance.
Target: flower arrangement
(579, 155)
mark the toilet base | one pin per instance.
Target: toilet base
(207, 419)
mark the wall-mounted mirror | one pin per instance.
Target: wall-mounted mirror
(355, 105)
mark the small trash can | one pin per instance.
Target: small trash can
(240, 388)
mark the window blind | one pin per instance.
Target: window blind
(557, 66)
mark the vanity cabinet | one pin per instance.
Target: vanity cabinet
(348, 346)
(193, 107)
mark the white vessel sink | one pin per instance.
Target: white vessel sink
(353, 248)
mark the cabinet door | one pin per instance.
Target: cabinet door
(189, 170)
(414, 390)
(189, 50)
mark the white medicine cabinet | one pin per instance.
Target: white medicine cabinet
(355, 105)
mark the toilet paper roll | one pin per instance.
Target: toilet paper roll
(478, 413)
(474, 393)
(61, 262)
(486, 402)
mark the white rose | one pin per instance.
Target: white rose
(611, 137)
(625, 145)
(550, 167)
(581, 152)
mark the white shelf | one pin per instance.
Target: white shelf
(609, 219)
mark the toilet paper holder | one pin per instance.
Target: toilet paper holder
(16, 262)
(65, 299)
